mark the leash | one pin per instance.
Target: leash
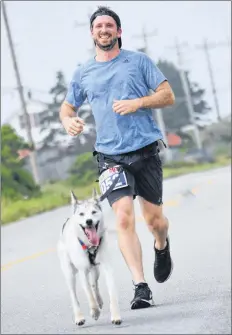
(105, 195)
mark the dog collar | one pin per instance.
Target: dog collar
(84, 246)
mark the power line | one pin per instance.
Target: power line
(21, 95)
(206, 46)
(145, 36)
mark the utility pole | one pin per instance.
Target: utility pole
(159, 114)
(187, 95)
(144, 36)
(160, 120)
(21, 96)
(206, 46)
(206, 50)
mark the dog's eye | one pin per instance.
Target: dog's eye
(81, 214)
(94, 212)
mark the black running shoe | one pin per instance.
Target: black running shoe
(163, 264)
(143, 297)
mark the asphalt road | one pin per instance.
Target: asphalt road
(195, 300)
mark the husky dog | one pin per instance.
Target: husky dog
(82, 247)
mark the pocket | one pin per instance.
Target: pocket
(157, 160)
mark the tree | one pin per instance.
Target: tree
(51, 128)
(54, 134)
(15, 181)
(176, 117)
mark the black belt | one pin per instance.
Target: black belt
(105, 195)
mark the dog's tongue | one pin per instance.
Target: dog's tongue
(92, 236)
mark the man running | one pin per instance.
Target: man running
(117, 85)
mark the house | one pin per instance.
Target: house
(35, 109)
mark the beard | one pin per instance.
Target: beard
(106, 47)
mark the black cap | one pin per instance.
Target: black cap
(106, 11)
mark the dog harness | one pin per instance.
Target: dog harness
(92, 251)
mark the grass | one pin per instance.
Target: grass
(58, 194)
(53, 196)
(169, 172)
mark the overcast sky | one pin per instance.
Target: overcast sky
(46, 40)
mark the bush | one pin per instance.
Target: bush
(83, 170)
(16, 182)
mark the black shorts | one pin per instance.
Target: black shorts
(143, 170)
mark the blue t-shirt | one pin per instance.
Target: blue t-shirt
(130, 75)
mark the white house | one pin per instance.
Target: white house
(35, 110)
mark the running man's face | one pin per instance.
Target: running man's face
(105, 32)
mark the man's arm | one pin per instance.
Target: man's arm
(72, 124)
(162, 97)
(75, 97)
(156, 81)
(67, 110)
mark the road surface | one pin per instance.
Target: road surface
(195, 300)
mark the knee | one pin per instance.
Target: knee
(156, 221)
(125, 221)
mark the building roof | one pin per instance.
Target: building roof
(173, 140)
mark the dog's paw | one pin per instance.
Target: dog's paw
(100, 302)
(116, 321)
(95, 313)
(80, 322)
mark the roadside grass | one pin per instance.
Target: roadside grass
(58, 194)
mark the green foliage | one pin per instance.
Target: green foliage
(15, 181)
(180, 164)
(58, 194)
(11, 143)
(52, 196)
(84, 170)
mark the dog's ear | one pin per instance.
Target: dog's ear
(74, 201)
(96, 198)
(95, 194)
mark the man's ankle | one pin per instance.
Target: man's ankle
(139, 281)
(160, 246)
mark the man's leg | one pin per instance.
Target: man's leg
(157, 223)
(127, 237)
(121, 200)
(158, 226)
(149, 184)
(131, 250)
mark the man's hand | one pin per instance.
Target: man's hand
(124, 107)
(73, 125)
